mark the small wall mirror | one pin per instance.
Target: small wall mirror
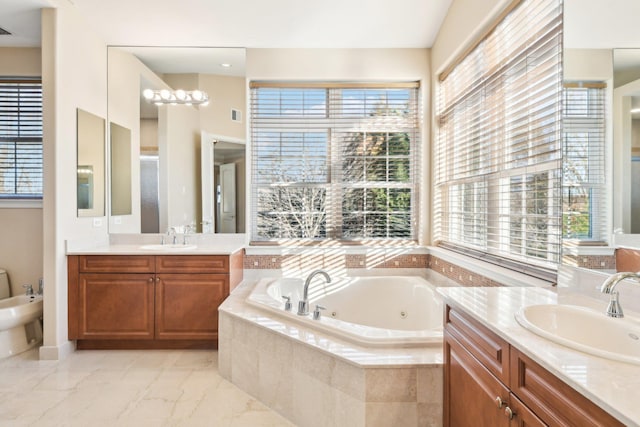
(120, 170)
(90, 164)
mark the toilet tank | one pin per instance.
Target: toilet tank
(5, 291)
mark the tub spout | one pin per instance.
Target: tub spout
(303, 305)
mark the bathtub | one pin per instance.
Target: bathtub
(370, 311)
(20, 327)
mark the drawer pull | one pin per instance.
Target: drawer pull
(499, 402)
(150, 279)
(509, 413)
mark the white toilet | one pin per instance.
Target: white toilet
(20, 320)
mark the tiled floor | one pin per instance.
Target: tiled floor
(125, 388)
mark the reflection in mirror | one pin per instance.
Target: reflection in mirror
(593, 36)
(120, 170)
(167, 188)
(90, 164)
(626, 104)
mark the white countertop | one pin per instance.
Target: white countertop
(210, 249)
(134, 244)
(614, 386)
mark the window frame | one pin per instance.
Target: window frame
(335, 183)
(19, 135)
(514, 69)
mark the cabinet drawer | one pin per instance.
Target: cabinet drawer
(192, 264)
(486, 346)
(552, 400)
(116, 264)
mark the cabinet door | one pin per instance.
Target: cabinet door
(522, 416)
(115, 306)
(473, 396)
(187, 305)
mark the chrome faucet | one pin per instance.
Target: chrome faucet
(28, 290)
(303, 304)
(608, 287)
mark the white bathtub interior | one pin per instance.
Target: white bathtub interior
(376, 311)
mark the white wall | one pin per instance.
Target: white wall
(225, 93)
(74, 75)
(179, 153)
(125, 71)
(21, 228)
(351, 65)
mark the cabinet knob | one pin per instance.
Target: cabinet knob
(157, 279)
(499, 402)
(150, 279)
(509, 413)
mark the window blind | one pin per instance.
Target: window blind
(497, 153)
(583, 178)
(334, 161)
(20, 138)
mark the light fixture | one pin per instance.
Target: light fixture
(635, 110)
(176, 97)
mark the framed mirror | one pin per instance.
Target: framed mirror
(168, 140)
(90, 164)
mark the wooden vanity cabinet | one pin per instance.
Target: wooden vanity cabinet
(488, 382)
(149, 301)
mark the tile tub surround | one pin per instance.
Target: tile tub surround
(314, 379)
(462, 270)
(609, 384)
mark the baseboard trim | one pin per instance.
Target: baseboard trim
(59, 352)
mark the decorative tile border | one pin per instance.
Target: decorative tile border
(459, 274)
(593, 262)
(302, 261)
(305, 262)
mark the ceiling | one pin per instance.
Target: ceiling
(242, 23)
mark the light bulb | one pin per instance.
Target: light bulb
(181, 94)
(197, 95)
(148, 94)
(165, 94)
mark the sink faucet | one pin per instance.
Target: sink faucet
(614, 309)
(303, 305)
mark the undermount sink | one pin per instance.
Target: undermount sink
(584, 329)
(168, 247)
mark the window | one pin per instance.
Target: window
(334, 161)
(20, 139)
(583, 175)
(497, 152)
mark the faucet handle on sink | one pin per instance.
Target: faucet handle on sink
(316, 312)
(287, 302)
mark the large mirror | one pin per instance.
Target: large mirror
(90, 164)
(181, 154)
(601, 64)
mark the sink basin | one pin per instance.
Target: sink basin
(584, 329)
(168, 247)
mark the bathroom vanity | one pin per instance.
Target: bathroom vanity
(497, 373)
(141, 300)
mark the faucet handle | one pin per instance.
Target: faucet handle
(287, 302)
(29, 289)
(316, 312)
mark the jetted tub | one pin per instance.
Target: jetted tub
(372, 311)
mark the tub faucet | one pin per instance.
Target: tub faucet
(303, 304)
(614, 309)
